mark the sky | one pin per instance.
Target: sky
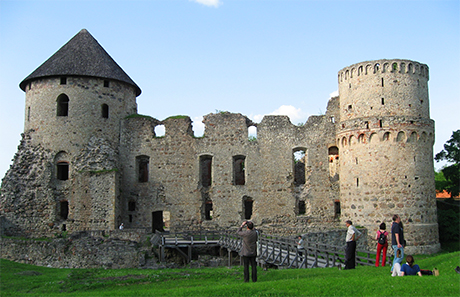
(254, 57)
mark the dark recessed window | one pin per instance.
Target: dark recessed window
(106, 83)
(63, 80)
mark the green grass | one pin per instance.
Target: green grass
(27, 280)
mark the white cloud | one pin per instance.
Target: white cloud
(215, 3)
(334, 94)
(295, 114)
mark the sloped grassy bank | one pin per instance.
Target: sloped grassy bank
(26, 280)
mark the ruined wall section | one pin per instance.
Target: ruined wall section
(386, 138)
(171, 182)
(175, 179)
(27, 203)
(226, 137)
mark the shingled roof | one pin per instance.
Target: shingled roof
(81, 56)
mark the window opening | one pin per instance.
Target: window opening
(357, 182)
(302, 207)
(64, 209)
(247, 208)
(131, 205)
(62, 171)
(106, 83)
(382, 82)
(130, 218)
(28, 113)
(64, 227)
(208, 210)
(252, 133)
(62, 109)
(299, 166)
(383, 101)
(337, 209)
(160, 131)
(143, 168)
(63, 80)
(239, 170)
(105, 111)
(157, 221)
(206, 170)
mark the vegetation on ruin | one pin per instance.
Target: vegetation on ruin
(136, 115)
(27, 280)
(177, 117)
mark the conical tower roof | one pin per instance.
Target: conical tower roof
(81, 56)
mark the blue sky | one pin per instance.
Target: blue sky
(251, 57)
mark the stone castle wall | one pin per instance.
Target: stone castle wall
(368, 157)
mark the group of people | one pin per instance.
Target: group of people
(397, 242)
(250, 237)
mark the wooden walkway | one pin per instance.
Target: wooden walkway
(276, 251)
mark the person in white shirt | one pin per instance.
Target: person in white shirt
(350, 252)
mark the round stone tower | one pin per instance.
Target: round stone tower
(385, 137)
(75, 102)
(78, 93)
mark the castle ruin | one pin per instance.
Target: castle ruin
(88, 161)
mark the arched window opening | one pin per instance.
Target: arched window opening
(386, 136)
(412, 137)
(131, 205)
(247, 207)
(62, 170)
(64, 209)
(299, 157)
(333, 153)
(252, 133)
(142, 163)
(105, 111)
(239, 170)
(206, 170)
(208, 210)
(62, 109)
(361, 138)
(401, 136)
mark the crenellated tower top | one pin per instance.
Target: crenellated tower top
(384, 88)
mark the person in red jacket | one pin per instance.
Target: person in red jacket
(382, 244)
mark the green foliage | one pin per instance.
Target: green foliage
(252, 138)
(27, 280)
(440, 181)
(177, 117)
(448, 220)
(451, 154)
(136, 115)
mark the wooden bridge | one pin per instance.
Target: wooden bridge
(276, 251)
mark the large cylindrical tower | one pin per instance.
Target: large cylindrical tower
(66, 172)
(386, 141)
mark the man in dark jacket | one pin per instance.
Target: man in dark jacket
(249, 249)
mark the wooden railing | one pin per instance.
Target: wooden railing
(274, 250)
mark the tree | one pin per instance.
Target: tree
(451, 153)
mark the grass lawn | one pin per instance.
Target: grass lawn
(27, 280)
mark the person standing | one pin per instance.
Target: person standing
(249, 249)
(382, 244)
(397, 240)
(300, 247)
(350, 252)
